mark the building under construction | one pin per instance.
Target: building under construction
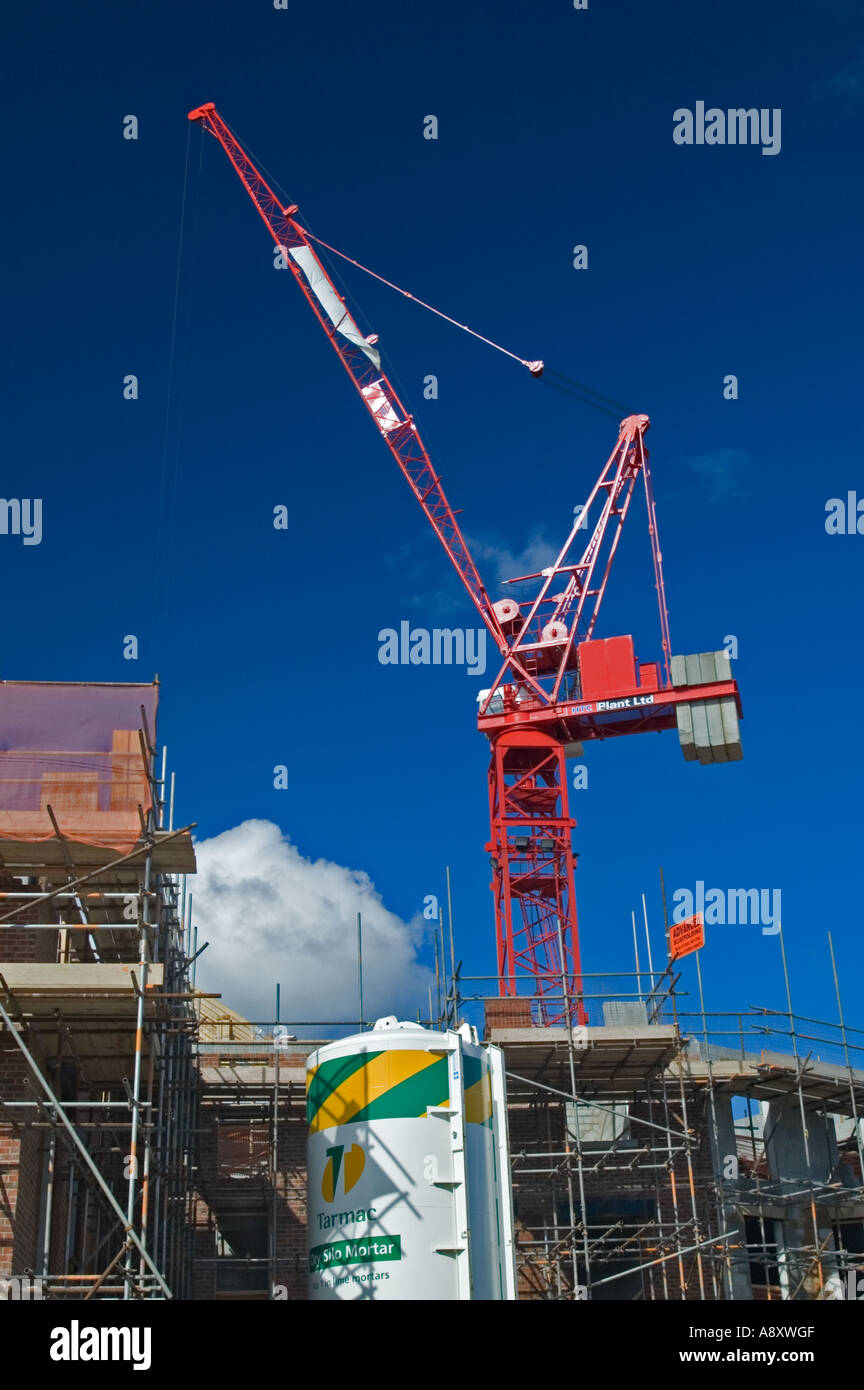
(152, 1141)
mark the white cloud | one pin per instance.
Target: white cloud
(536, 555)
(434, 588)
(270, 914)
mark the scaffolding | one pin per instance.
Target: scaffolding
(660, 1153)
(657, 1152)
(98, 1095)
(249, 1202)
(152, 1141)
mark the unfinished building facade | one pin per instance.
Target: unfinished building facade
(152, 1141)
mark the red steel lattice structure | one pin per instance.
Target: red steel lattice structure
(557, 685)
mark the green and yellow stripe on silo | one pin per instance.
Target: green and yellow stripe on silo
(390, 1085)
(478, 1092)
(384, 1085)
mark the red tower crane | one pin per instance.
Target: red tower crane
(558, 685)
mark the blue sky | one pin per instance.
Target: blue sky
(555, 129)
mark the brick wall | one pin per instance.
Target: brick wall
(16, 943)
(21, 1158)
(234, 1140)
(507, 1013)
(21, 947)
(21, 1151)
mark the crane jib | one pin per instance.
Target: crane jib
(360, 357)
(334, 307)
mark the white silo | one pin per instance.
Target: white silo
(409, 1173)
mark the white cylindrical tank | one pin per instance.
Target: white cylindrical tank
(408, 1168)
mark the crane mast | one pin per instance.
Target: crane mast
(558, 685)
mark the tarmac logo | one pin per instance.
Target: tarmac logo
(77, 1343)
(350, 1169)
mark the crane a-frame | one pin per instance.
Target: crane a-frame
(558, 685)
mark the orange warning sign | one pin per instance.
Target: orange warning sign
(686, 936)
